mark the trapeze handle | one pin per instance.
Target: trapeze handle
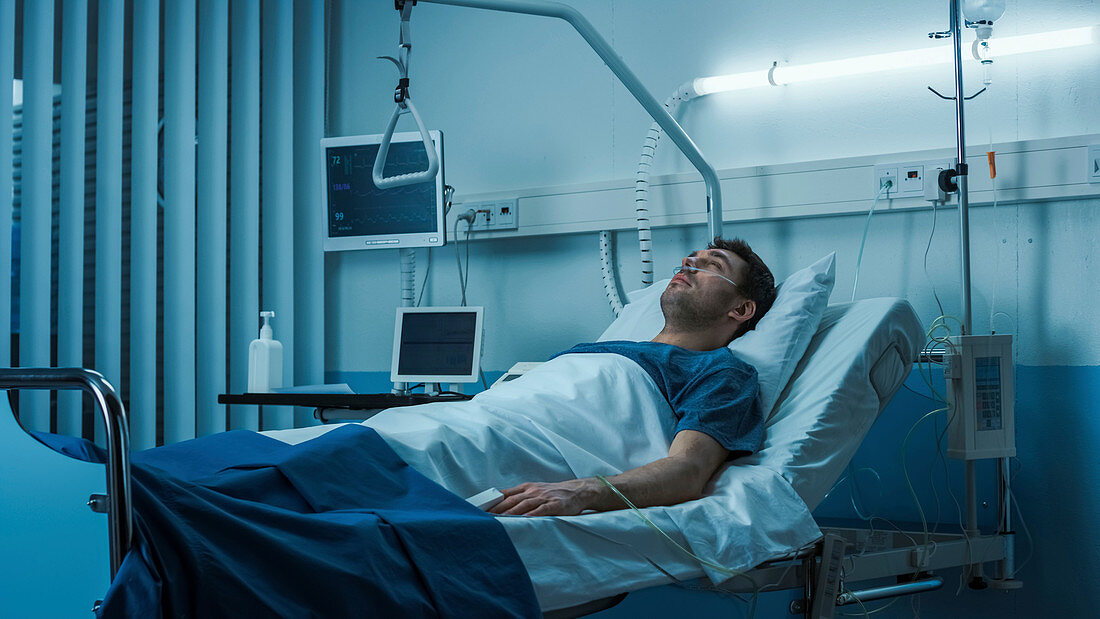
(401, 180)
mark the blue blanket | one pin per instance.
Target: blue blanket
(240, 524)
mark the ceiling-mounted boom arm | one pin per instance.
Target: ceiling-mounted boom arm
(672, 128)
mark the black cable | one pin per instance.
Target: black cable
(458, 258)
(466, 280)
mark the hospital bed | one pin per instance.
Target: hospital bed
(756, 513)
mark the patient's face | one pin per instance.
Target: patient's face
(698, 299)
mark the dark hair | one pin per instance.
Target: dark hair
(759, 284)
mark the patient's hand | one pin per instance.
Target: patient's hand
(692, 460)
(567, 498)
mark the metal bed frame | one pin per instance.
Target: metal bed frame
(821, 570)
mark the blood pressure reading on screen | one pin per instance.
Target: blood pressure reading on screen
(357, 207)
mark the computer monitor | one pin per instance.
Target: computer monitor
(359, 215)
(437, 345)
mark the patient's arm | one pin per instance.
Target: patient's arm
(692, 460)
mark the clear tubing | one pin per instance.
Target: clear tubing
(863, 243)
(244, 214)
(70, 245)
(212, 244)
(677, 270)
(34, 296)
(629, 80)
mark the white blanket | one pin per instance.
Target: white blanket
(577, 416)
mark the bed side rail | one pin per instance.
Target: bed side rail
(107, 402)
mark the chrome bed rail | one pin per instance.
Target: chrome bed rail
(119, 515)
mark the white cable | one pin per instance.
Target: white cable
(866, 227)
(607, 270)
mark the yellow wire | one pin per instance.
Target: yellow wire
(714, 566)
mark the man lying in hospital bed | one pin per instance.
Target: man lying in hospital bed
(583, 415)
(718, 294)
(601, 414)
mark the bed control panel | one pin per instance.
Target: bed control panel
(980, 397)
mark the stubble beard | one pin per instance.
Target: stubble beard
(689, 312)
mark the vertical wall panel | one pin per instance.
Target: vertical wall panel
(309, 272)
(244, 213)
(37, 205)
(143, 225)
(108, 193)
(7, 73)
(278, 186)
(179, 220)
(211, 182)
(70, 250)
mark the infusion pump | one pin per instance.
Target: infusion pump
(980, 397)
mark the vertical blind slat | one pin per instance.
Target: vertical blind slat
(7, 75)
(309, 275)
(143, 225)
(212, 243)
(37, 206)
(108, 193)
(244, 222)
(277, 125)
(179, 220)
(70, 251)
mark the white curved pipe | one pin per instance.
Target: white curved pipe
(607, 271)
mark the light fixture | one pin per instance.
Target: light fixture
(781, 74)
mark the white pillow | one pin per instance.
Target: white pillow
(773, 347)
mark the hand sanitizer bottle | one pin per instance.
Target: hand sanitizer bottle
(265, 360)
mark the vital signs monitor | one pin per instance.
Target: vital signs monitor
(437, 345)
(359, 215)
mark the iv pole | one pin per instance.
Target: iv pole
(959, 177)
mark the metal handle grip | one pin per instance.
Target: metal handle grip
(119, 515)
(384, 150)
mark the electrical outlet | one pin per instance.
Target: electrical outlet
(1094, 163)
(493, 215)
(908, 178)
(884, 173)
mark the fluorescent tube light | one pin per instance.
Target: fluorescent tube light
(892, 61)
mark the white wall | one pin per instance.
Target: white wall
(524, 103)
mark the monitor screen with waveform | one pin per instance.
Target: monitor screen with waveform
(359, 215)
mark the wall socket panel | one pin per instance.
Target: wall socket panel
(1094, 163)
(493, 214)
(908, 178)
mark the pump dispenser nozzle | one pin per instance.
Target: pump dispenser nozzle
(265, 328)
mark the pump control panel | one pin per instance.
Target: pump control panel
(980, 397)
